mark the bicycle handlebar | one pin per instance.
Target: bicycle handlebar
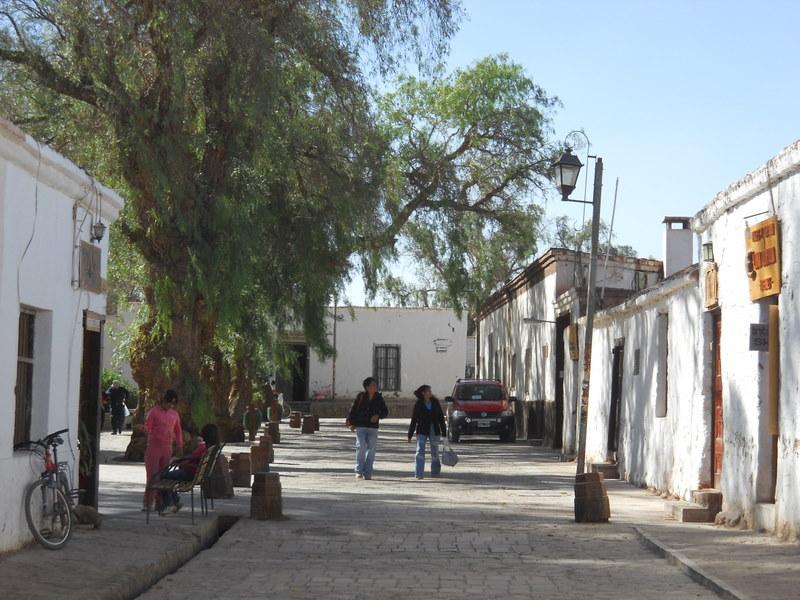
(51, 438)
(55, 433)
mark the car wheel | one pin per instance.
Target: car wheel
(454, 437)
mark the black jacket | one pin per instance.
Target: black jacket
(364, 408)
(422, 419)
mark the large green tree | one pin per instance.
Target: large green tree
(469, 160)
(243, 134)
(259, 171)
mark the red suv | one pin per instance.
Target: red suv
(480, 407)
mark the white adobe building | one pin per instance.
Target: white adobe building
(402, 347)
(52, 302)
(702, 367)
(522, 326)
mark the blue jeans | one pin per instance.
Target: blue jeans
(436, 466)
(366, 443)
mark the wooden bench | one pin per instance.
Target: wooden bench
(202, 475)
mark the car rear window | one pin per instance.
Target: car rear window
(479, 391)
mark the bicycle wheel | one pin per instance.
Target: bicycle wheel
(48, 514)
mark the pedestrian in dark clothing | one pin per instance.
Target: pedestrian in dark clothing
(117, 397)
(427, 421)
(251, 420)
(365, 414)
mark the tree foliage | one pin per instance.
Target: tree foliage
(244, 136)
(259, 172)
(566, 233)
(470, 151)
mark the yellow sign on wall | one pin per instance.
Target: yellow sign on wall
(764, 258)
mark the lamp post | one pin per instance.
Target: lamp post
(567, 169)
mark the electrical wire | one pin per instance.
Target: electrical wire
(35, 219)
(608, 243)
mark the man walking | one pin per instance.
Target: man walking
(365, 414)
(117, 397)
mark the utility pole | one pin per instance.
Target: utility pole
(590, 306)
(333, 362)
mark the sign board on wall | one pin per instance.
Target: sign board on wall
(573, 341)
(90, 279)
(711, 291)
(762, 242)
(759, 337)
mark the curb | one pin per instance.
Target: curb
(688, 566)
(136, 581)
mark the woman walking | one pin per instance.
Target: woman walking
(163, 428)
(365, 414)
(427, 421)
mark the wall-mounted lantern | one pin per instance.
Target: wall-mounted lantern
(98, 231)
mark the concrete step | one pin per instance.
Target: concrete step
(688, 512)
(708, 498)
(609, 470)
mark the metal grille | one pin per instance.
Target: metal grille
(386, 367)
(24, 386)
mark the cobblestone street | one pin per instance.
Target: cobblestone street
(498, 525)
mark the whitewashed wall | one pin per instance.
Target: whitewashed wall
(43, 280)
(670, 453)
(772, 189)
(414, 330)
(512, 336)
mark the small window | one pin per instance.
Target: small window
(636, 361)
(386, 367)
(24, 387)
(663, 361)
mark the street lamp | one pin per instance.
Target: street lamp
(567, 169)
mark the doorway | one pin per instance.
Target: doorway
(558, 430)
(616, 399)
(299, 382)
(717, 447)
(89, 412)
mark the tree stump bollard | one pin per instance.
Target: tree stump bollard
(308, 424)
(591, 499)
(316, 422)
(275, 432)
(295, 418)
(266, 442)
(240, 469)
(220, 484)
(259, 458)
(265, 501)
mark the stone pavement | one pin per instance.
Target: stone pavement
(497, 525)
(124, 557)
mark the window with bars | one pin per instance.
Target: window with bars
(386, 367)
(24, 387)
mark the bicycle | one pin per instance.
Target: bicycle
(48, 500)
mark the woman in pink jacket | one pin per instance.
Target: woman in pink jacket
(163, 428)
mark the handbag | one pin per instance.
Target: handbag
(449, 457)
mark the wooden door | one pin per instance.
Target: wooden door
(89, 417)
(717, 422)
(616, 398)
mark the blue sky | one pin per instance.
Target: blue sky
(680, 98)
